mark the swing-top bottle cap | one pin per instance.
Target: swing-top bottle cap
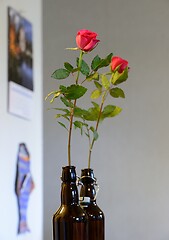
(68, 174)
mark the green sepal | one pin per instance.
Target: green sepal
(68, 66)
(118, 78)
(73, 49)
(85, 70)
(117, 92)
(105, 82)
(60, 74)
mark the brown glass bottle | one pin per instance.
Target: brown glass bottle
(70, 220)
(88, 203)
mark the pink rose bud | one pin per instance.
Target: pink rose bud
(118, 62)
(86, 40)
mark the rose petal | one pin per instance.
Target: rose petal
(81, 41)
(91, 45)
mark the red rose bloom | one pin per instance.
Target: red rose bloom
(118, 62)
(86, 40)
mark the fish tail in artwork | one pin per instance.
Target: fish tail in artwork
(23, 226)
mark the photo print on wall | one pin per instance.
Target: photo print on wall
(20, 65)
(23, 186)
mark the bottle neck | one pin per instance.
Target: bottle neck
(69, 193)
(88, 191)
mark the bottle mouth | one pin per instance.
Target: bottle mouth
(68, 174)
(87, 175)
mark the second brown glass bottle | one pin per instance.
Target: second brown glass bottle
(88, 203)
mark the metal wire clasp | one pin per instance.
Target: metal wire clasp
(78, 181)
(94, 183)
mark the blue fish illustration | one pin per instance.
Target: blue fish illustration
(24, 186)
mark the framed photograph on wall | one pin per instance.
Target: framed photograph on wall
(20, 65)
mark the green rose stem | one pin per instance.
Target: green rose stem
(72, 111)
(96, 128)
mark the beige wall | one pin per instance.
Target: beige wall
(15, 130)
(131, 158)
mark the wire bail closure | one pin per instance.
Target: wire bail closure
(80, 183)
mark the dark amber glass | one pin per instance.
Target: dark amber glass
(70, 220)
(88, 203)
